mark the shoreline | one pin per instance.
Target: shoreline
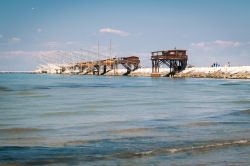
(240, 72)
(18, 72)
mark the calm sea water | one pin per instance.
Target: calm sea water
(92, 120)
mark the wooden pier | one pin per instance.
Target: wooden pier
(130, 63)
(101, 67)
(175, 59)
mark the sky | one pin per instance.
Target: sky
(210, 30)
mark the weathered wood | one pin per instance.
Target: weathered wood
(176, 60)
(103, 66)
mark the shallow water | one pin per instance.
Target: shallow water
(91, 120)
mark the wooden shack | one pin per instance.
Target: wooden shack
(175, 59)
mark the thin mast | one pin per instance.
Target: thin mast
(110, 47)
(98, 50)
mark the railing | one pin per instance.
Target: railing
(169, 57)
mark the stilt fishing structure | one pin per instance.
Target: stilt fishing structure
(89, 62)
(101, 67)
(86, 62)
(175, 59)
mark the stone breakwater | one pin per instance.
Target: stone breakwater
(242, 72)
(142, 72)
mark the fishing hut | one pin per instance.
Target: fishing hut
(175, 59)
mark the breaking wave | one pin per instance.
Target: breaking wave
(246, 111)
(193, 149)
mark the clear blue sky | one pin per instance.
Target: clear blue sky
(211, 30)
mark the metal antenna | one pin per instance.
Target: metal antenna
(98, 50)
(110, 53)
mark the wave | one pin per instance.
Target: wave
(230, 84)
(106, 154)
(246, 111)
(101, 141)
(61, 113)
(201, 124)
(25, 93)
(4, 88)
(240, 113)
(131, 130)
(80, 142)
(207, 124)
(241, 102)
(19, 130)
(193, 149)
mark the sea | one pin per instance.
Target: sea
(121, 120)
